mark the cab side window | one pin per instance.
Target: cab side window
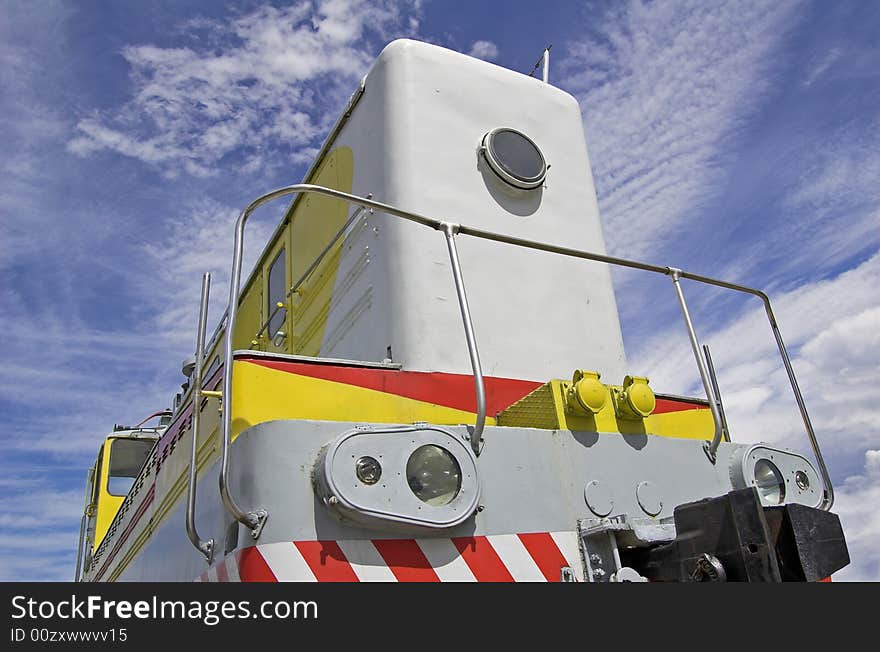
(275, 294)
(127, 456)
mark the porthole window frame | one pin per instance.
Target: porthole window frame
(498, 167)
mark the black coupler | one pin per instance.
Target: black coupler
(735, 538)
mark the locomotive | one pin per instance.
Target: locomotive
(424, 379)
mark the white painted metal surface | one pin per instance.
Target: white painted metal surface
(415, 135)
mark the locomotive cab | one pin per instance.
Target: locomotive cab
(120, 459)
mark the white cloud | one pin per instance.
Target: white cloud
(856, 505)
(832, 333)
(662, 87)
(199, 240)
(263, 85)
(486, 50)
(40, 522)
(824, 64)
(667, 91)
(872, 463)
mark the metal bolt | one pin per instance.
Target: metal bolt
(480, 508)
(333, 500)
(801, 480)
(595, 559)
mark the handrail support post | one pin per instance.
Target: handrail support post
(206, 547)
(449, 231)
(711, 448)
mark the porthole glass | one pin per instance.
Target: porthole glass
(514, 157)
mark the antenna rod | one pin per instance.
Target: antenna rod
(546, 64)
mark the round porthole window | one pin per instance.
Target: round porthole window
(514, 157)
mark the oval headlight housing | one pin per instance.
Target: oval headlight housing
(399, 478)
(433, 475)
(769, 482)
(514, 158)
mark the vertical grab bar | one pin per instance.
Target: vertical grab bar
(710, 367)
(710, 448)
(449, 231)
(80, 551)
(206, 547)
(79, 548)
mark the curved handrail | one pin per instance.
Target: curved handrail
(256, 518)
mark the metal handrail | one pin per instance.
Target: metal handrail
(305, 275)
(449, 230)
(710, 448)
(206, 547)
(714, 380)
(256, 518)
(83, 525)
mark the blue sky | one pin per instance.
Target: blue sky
(739, 140)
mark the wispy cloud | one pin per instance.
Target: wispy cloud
(856, 504)
(822, 66)
(41, 525)
(265, 92)
(662, 86)
(684, 113)
(835, 359)
(486, 50)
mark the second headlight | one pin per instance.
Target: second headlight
(433, 475)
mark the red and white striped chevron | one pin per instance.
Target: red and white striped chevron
(533, 557)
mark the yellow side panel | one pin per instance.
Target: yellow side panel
(108, 504)
(249, 316)
(686, 424)
(262, 394)
(316, 219)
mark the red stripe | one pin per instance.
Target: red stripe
(142, 508)
(826, 579)
(406, 560)
(671, 405)
(326, 560)
(222, 575)
(482, 559)
(543, 549)
(252, 567)
(450, 390)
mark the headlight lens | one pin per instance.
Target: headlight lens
(368, 470)
(433, 475)
(769, 482)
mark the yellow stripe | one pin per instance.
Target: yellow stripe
(263, 394)
(546, 408)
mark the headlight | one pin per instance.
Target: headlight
(780, 476)
(769, 482)
(405, 478)
(433, 475)
(368, 470)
